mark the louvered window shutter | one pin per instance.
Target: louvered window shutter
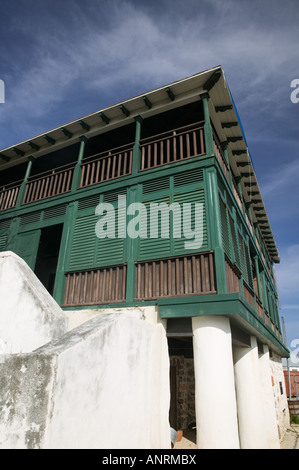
(197, 236)
(158, 247)
(83, 243)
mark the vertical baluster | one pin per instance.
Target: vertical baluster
(161, 152)
(110, 283)
(82, 179)
(87, 173)
(142, 157)
(174, 147)
(149, 156)
(181, 147)
(26, 193)
(161, 278)
(194, 143)
(104, 288)
(55, 176)
(64, 180)
(69, 179)
(117, 284)
(108, 168)
(155, 154)
(212, 274)
(202, 145)
(194, 280)
(113, 166)
(92, 172)
(154, 280)
(167, 151)
(146, 281)
(203, 273)
(103, 169)
(177, 277)
(97, 172)
(186, 277)
(169, 278)
(120, 157)
(124, 281)
(187, 137)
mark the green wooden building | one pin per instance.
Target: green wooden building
(181, 143)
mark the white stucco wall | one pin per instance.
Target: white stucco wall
(29, 316)
(104, 384)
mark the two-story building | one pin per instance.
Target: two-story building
(154, 201)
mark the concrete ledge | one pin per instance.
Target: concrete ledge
(104, 384)
(29, 316)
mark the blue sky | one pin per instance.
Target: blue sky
(62, 60)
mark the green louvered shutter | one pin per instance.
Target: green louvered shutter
(225, 230)
(110, 251)
(83, 243)
(3, 240)
(192, 198)
(151, 248)
(27, 244)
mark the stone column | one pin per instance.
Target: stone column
(215, 401)
(271, 428)
(249, 397)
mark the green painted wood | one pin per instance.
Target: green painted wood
(78, 169)
(65, 250)
(26, 246)
(216, 243)
(207, 125)
(136, 148)
(31, 160)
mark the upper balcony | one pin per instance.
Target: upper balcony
(156, 151)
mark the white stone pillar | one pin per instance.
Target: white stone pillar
(215, 400)
(268, 401)
(249, 397)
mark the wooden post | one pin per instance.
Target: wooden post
(31, 160)
(216, 230)
(207, 125)
(136, 148)
(77, 170)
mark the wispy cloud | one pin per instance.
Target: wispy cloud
(125, 45)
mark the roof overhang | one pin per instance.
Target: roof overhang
(223, 113)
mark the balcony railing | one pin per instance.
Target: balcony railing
(220, 154)
(95, 286)
(175, 146)
(49, 184)
(107, 166)
(9, 195)
(170, 147)
(174, 277)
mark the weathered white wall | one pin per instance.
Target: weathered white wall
(29, 316)
(104, 384)
(281, 400)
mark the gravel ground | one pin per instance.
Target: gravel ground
(290, 440)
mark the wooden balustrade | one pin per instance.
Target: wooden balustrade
(232, 277)
(220, 154)
(173, 277)
(104, 167)
(95, 286)
(49, 184)
(9, 195)
(171, 147)
(249, 295)
(237, 196)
